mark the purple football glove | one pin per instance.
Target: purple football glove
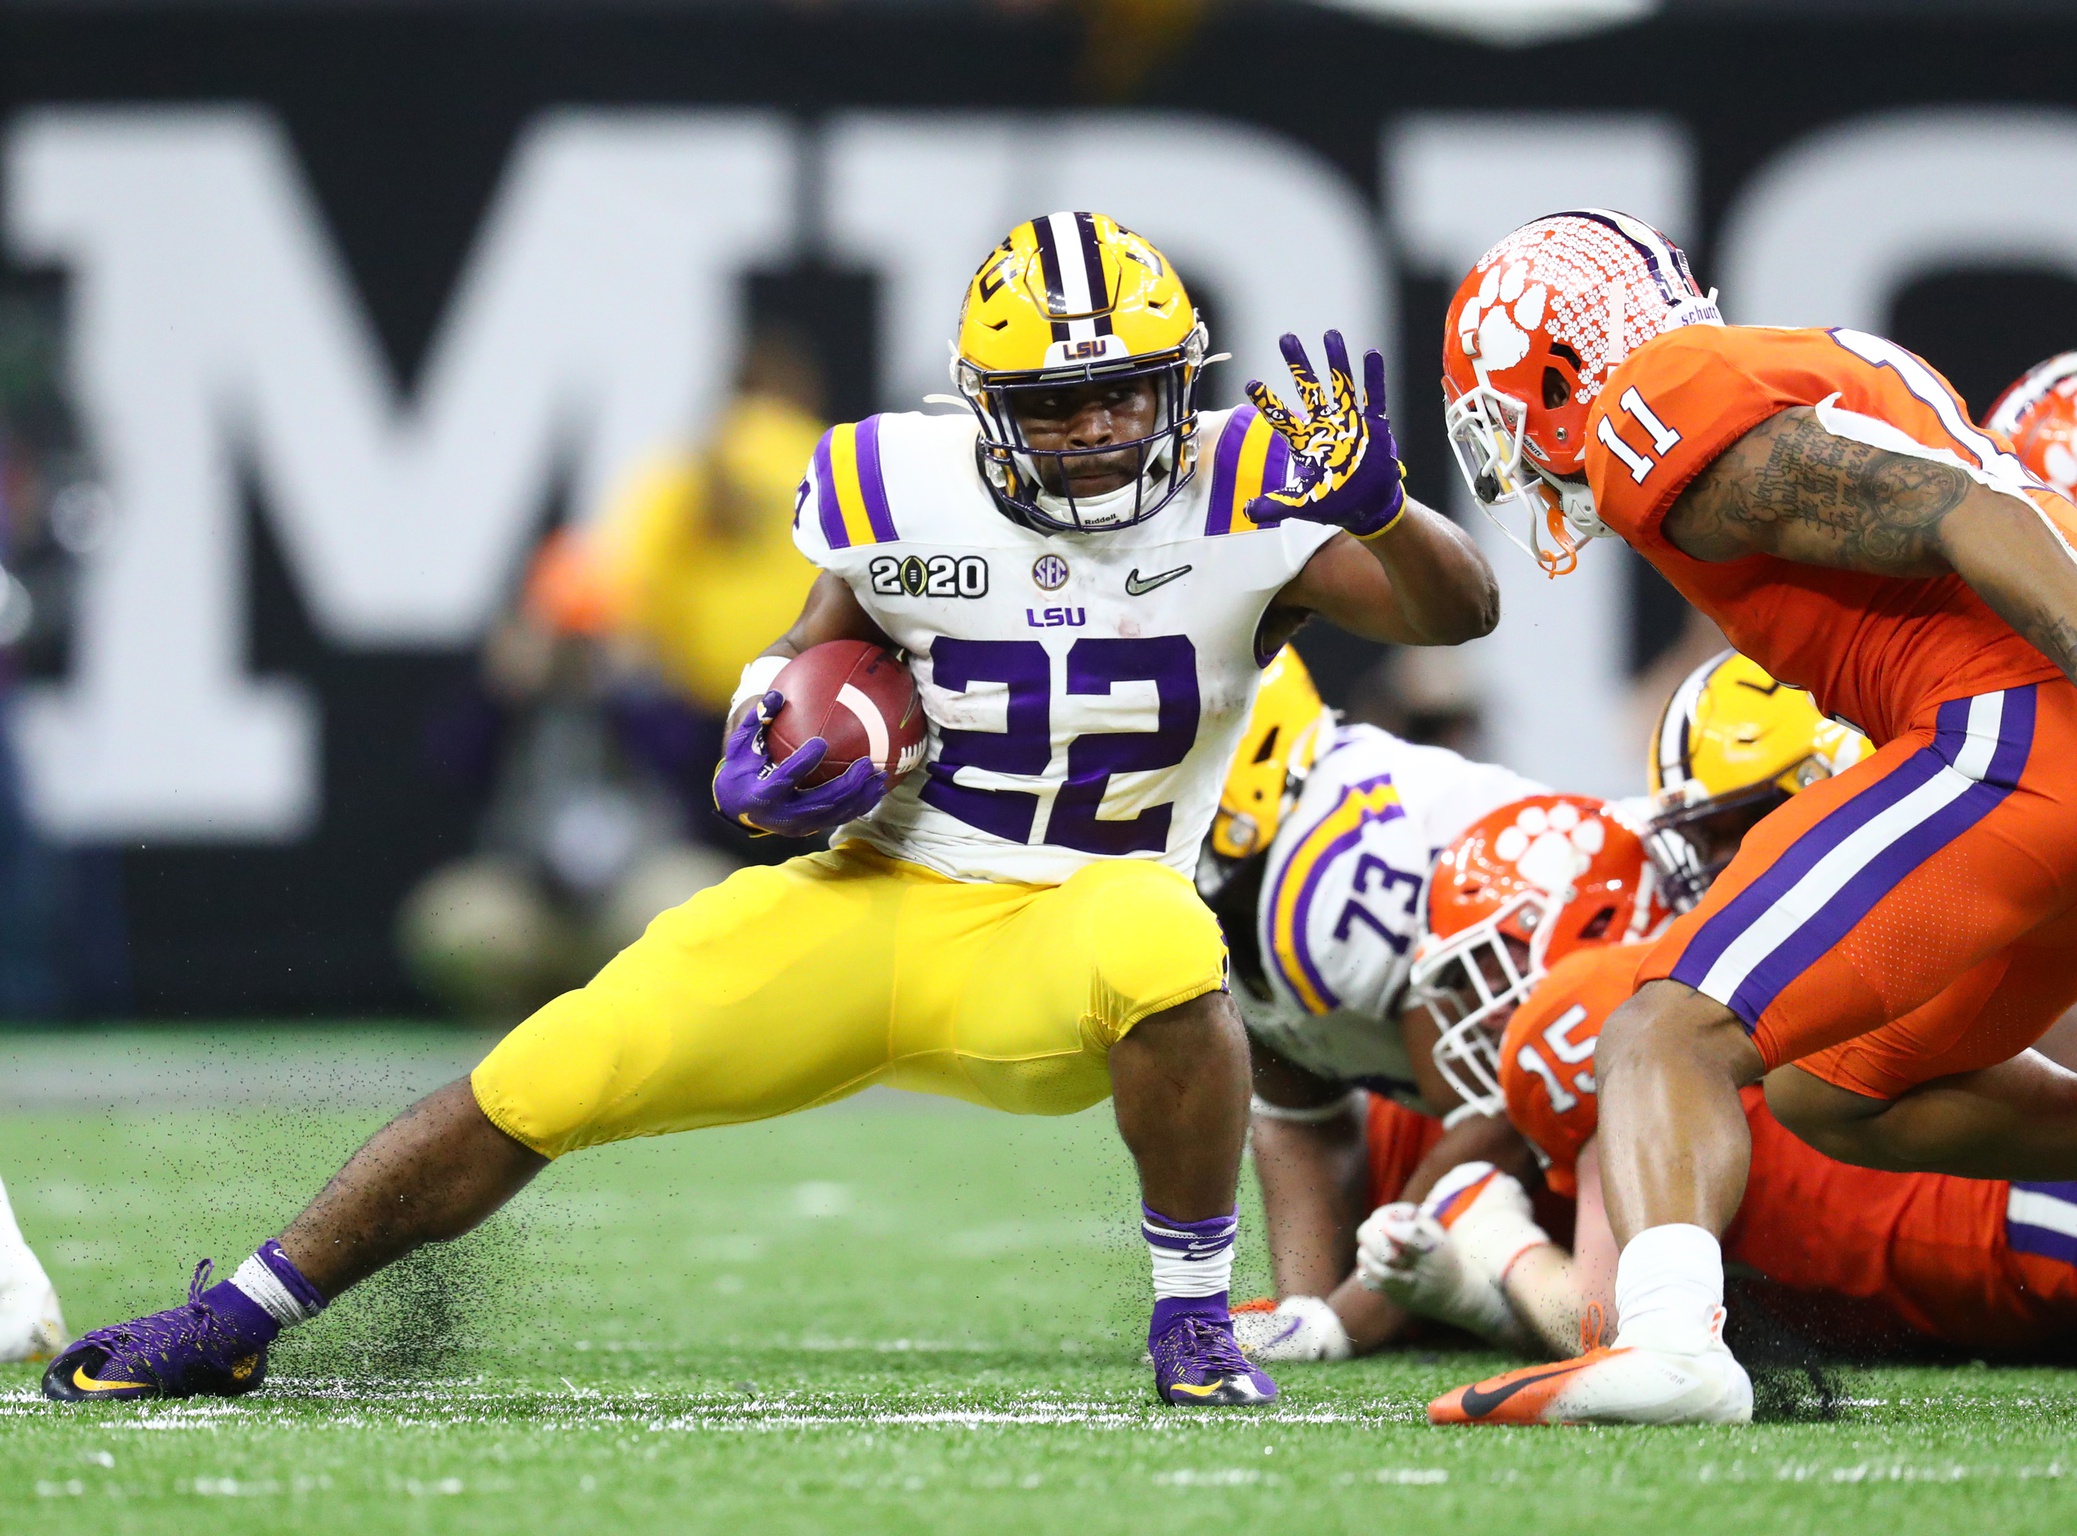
(1348, 470)
(767, 797)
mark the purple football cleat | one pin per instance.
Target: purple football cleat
(212, 1347)
(1198, 1364)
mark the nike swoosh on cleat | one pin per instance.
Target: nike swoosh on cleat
(1477, 1404)
(1196, 1391)
(1135, 587)
(86, 1383)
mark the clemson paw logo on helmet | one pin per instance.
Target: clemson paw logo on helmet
(1494, 327)
(1552, 845)
(2060, 466)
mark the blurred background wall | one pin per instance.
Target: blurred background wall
(315, 319)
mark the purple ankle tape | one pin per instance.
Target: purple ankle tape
(283, 1268)
(253, 1325)
(1168, 1310)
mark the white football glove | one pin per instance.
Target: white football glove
(1301, 1328)
(1444, 1258)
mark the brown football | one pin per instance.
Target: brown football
(857, 697)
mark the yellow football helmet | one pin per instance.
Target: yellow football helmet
(1276, 752)
(1730, 746)
(1072, 298)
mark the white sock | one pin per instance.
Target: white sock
(1669, 1286)
(11, 1239)
(1192, 1259)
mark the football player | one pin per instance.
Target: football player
(1086, 573)
(1823, 496)
(1518, 894)
(1874, 1261)
(1317, 853)
(1877, 1260)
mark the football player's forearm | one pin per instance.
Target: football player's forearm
(1421, 582)
(1791, 488)
(2021, 567)
(1543, 1289)
(832, 612)
(1370, 1318)
(1474, 1139)
(1443, 588)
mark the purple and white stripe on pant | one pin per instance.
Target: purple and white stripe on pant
(1833, 875)
(2042, 1219)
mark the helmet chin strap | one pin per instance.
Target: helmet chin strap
(1111, 506)
(1576, 505)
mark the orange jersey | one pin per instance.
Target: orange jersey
(1396, 1138)
(1978, 1263)
(1547, 1055)
(1875, 650)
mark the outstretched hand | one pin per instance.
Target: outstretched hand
(766, 797)
(1348, 470)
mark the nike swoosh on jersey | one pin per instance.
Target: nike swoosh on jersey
(1134, 587)
(86, 1383)
(1478, 1404)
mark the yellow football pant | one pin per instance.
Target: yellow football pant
(787, 987)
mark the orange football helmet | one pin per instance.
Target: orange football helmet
(1519, 891)
(1532, 336)
(2039, 414)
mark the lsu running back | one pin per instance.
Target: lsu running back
(1085, 572)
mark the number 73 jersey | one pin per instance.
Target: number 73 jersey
(1340, 905)
(1084, 691)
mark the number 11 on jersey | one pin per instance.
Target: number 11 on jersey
(1663, 437)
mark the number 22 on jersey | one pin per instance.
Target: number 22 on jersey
(1024, 747)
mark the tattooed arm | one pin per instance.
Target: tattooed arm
(1790, 488)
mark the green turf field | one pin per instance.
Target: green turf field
(874, 1318)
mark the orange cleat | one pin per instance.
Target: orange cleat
(1620, 1385)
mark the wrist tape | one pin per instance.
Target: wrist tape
(757, 681)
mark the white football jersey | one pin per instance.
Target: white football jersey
(1339, 914)
(1084, 691)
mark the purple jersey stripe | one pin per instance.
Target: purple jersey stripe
(1225, 465)
(872, 487)
(1301, 913)
(2064, 1190)
(826, 506)
(1276, 464)
(2015, 737)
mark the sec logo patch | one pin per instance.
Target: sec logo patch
(1049, 572)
